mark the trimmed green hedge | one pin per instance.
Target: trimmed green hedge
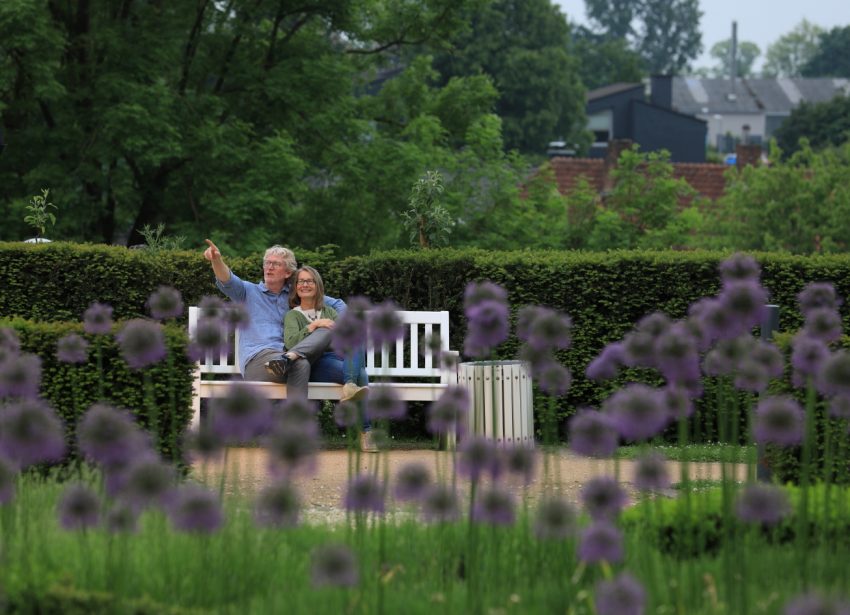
(71, 389)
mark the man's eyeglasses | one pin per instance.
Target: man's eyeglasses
(273, 264)
(305, 283)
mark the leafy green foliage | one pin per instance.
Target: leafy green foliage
(787, 56)
(428, 222)
(602, 60)
(39, 215)
(832, 56)
(747, 54)
(820, 124)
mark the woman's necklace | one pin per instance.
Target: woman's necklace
(310, 313)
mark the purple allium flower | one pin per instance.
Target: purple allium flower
(412, 482)
(349, 334)
(622, 595)
(839, 407)
(347, 414)
(385, 326)
(109, 435)
(79, 508)
(448, 360)
(728, 354)
(298, 412)
(833, 378)
(593, 434)
(384, 403)
(97, 319)
(769, 356)
(554, 379)
(449, 413)
(165, 302)
(676, 354)
(823, 324)
(487, 327)
(556, 519)
(760, 503)
(236, 316)
(544, 328)
(10, 345)
(603, 498)
(142, 343)
(146, 482)
(678, 402)
(779, 420)
(277, 505)
(639, 349)
(651, 472)
(746, 303)
(478, 455)
(714, 319)
(8, 472)
(815, 604)
(122, 519)
(818, 295)
(601, 541)
(637, 411)
(72, 348)
(440, 504)
(292, 447)
(211, 306)
(195, 509)
(751, 376)
(242, 414)
(739, 267)
(477, 292)
(608, 363)
(365, 493)
(807, 356)
(654, 324)
(521, 461)
(203, 442)
(697, 330)
(494, 506)
(20, 376)
(30, 432)
(211, 336)
(334, 566)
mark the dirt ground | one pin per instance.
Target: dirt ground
(248, 471)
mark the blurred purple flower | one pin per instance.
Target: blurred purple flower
(544, 328)
(769, 356)
(385, 326)
(30, 432)
(333, 566)
(608, 363)
(727, 355)
(554, 379)
(651, 472)
(477, 292)
(194, 508)
(807, 356)
(347, 414)
(818, 295)
(622, 595)
(521, 461)
(487, 327)
(760, 503)
(778, 420)
(815, 604)
(211, 307)
(639, 349)
(839, 407)
(165, 302)
(292, 447)
(108, 435)
(79, 508)
(676, 354)
(739, 267)
(593, 434)
(8, 472)
(678, 402)
(277, 505)
(122, 519)
(746, 303)
(142, 343)
(145, 482)
(412, 482)
(556, 519)
(833, 377)
(751, 376)
(477, 456)
(714, 319)
(440, 504)
(349, 334)
(384, 404)
(364, 493)
(211, 337)
(494, 506)
(203, 442)
(72, 348)
(823, 324)
(637, 411)
(603, 498)
(236, 316)
(654, 324)
(601, 542)
(448, 414)
(242, 414)
(20, 376)
(10, 345)
(97, 319)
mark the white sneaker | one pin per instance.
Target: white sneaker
(367, 442)
(352, 392)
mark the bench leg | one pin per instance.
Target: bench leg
(196, 401)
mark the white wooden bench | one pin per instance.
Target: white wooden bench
(409, 367)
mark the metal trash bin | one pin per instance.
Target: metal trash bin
(501, 400)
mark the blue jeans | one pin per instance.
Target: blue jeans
(330, 367)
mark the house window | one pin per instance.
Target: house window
(601, 124)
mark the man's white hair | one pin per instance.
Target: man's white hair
(286, 254)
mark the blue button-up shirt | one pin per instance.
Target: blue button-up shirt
(266, 311)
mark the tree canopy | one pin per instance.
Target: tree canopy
(820, 124)
(832, 56)
(747, 54)
(790, 52)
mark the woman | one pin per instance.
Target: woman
(306, 314)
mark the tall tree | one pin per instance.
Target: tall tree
(664, 32)
(522, 45)
(832, 56)
(790, 52)
(602, 61)
(821, 125)
(746, 55)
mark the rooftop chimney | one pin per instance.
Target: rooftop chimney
(733, 61)
(661, 91)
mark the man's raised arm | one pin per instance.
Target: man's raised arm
(222, 271)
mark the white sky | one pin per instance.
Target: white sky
(759, 21)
